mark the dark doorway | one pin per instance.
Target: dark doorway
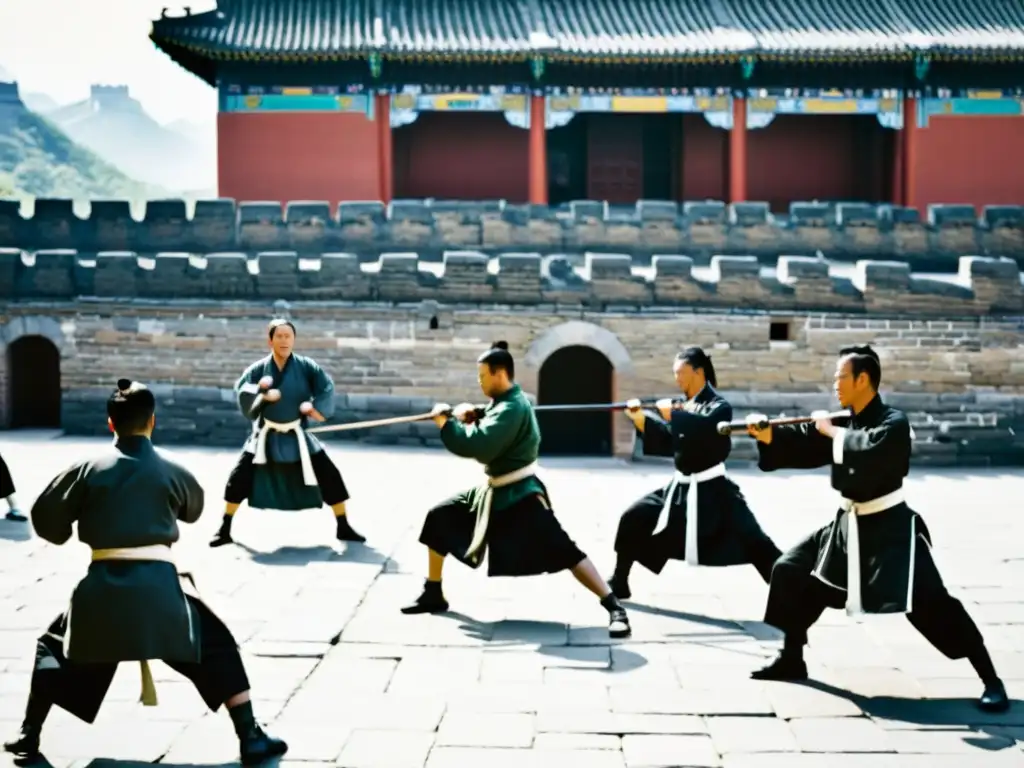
(575, 375)
(33, 369)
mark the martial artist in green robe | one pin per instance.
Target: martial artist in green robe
(509, 516)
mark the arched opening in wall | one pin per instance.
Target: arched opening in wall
(33, 375)
(575, 374)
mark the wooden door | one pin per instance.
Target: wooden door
(615, 158)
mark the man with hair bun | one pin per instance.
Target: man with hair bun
(875, 556)
(701, 516)
(509, 516)
(132, 604)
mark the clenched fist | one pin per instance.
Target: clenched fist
(266, 381)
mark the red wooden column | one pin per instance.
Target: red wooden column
(897, 167)
(738, 151)
(538, 151)
(385, 153)
(910, 150)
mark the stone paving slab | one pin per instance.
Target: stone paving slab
(522, 672)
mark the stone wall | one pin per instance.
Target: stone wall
(929, 241)
(389, 360)
(981, 286)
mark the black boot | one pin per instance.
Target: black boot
(223, 535)
(618, 619)
(993, 698)
(346, 532)
(25, 747)
(431, 600)
(619, 582)
(255, 744)
(788, 666)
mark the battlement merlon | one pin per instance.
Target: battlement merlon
(842, 232)
(982, 286)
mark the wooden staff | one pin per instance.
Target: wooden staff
(372, 423)
(590, 406)
(728, 427)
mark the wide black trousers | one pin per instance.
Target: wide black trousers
(728, 533)
(6, 481)
(80, 688)
(797, 598)
(524, 539)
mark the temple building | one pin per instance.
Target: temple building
(546, 101)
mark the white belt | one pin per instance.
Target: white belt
(153, 553)
(484, 514)
(260, 457)
(854, 603)
(691, 506)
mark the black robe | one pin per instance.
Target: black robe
(869, 459)
(727, 531)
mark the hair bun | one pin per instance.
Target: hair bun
(123, 384)
(500, 345)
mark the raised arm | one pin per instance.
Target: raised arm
(486, 439)
(656, 434)
(323, 390)
(59, 505)
(189, 495)
(794, 446)
(246, 389)
(871, 450)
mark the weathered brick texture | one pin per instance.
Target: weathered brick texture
(391, 360)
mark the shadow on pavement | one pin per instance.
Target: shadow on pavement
(290, 555)
(993, 731)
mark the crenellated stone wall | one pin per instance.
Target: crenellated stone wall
(700, 230)
(391, 359)
(981, 286)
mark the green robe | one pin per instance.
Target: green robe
(504, 439)
(131, 496)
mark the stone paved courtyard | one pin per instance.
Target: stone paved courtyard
(522, 674)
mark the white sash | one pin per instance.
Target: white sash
(484, 514)
(854, 583)
(691, 506)
(260, 453)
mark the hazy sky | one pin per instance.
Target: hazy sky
(61, 47)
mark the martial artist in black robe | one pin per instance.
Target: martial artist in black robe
(894, 571)
(7, 494)
(720, 529)
(132, 604)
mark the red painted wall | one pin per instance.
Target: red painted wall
(818, 157)
(705, 156)
(973, 160)
(286, 156)
(462, 156)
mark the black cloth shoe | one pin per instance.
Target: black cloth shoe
(783, 668)
(223, 535)
(431, 600)
(257, 745)
(25, 747)
(346, 532)
(16, 516)
(618, 619)
(994, 698)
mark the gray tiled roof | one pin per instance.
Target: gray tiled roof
(599, 28)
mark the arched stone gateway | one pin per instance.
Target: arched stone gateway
(577, 362)
(31, 365)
